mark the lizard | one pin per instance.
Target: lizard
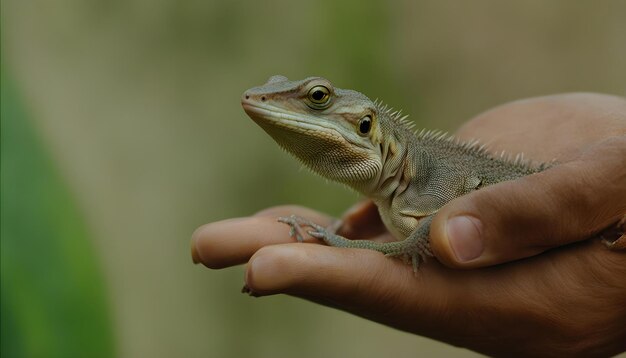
(345, 137)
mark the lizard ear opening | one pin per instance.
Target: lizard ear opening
(365, 124)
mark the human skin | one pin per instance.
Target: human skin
(518, 298)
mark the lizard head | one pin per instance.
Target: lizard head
(334, 132)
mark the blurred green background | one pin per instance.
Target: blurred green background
(122, 132)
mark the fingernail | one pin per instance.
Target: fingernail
(195, 257)
(464, 236)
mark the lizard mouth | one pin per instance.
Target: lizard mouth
(267, 115)
(264, 114)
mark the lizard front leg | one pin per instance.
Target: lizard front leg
(415, 247)
(359, 220)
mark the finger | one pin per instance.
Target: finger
(362, 221)
(232, 242)
(286, 210)
(520, 218)
(360, 281)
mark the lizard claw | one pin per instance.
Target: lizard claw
(297, 223)
(295, 230)
(414, 256)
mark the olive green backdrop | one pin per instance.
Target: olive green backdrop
(122, 132)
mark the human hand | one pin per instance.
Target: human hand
(561, 302)
(568, 203)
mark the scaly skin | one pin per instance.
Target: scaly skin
(344, 136)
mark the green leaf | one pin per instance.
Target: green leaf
(53, 299)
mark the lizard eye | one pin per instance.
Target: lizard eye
(365, 124)
(319, 95)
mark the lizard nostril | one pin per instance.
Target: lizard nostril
(247, 96)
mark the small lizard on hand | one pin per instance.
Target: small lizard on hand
(346, 137)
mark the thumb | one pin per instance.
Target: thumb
(520, 218)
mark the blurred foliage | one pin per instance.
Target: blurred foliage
(53, 300)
